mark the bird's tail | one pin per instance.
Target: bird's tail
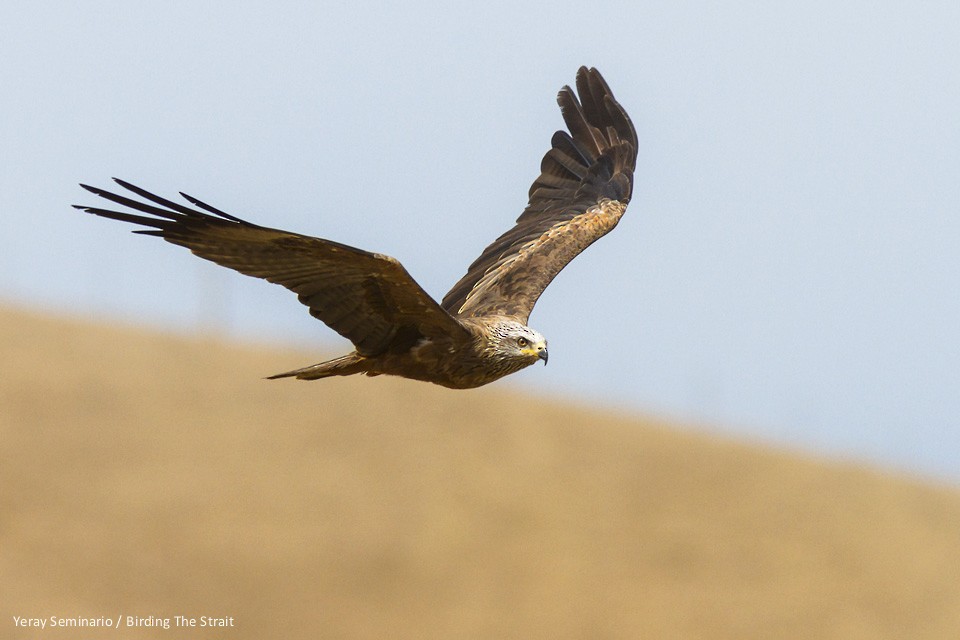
(343, 366)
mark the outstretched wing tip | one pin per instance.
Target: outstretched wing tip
(589, 164)
(363, 296)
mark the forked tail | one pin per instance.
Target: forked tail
(343, 366)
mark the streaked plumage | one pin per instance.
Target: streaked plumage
(478, 333)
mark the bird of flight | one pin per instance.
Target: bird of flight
(478, 332)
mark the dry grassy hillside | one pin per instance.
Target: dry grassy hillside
(148, 475)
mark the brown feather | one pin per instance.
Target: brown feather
(366, 297)
(471, 339)
(585, 184)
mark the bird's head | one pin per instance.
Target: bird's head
(519, 343)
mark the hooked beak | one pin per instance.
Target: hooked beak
(542, 354)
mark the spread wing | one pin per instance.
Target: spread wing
(368, 298)
(584, 186)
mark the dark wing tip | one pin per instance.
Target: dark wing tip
(206, 207)
(94, 190)
(589, 162)
(596, 159)
(157, 206)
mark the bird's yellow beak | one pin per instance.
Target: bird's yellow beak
(537, 351)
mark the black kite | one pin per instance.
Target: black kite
(479, 332)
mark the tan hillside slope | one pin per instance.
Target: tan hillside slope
(152, 476)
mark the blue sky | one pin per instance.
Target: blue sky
(789, 268)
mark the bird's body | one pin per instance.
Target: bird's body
(479, 332)
(449, 363)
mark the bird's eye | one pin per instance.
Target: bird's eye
(522, 342)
